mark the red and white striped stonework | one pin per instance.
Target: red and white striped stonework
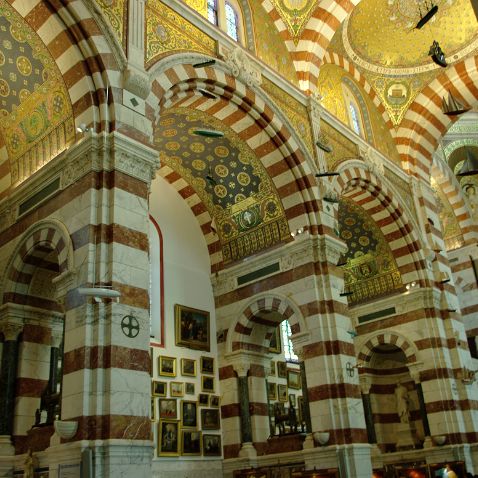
(424, 122)
(253, 116)
(333, 58)
(308, 54)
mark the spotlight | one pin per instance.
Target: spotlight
(203, 64)
(326, 174)
(437, 54)
(82, 128)
(323, 146)
(346, 293)
(427, 17)
(207, 93)
(209, 133)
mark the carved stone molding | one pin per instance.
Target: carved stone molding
(11, 331)
(241, 65)
(365, 382)
(137, 82)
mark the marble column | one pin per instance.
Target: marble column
(305, 399)
(365, 386)
(247, 448)
(8, 375)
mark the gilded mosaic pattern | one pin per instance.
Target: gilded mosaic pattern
(295, 111)
(343, 148)
(115, 11)
(199, 6)
(228, 178)
(270, 47)
(295, 14)
(34, 102)
(168, 32)
(370, 270)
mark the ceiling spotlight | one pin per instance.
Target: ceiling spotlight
(326, 174)
(207, 93)
(346, 293)
(470, 165)
(209, 133)
(453, 107)
(203, 64)
(427, 17)
(437, 54)
(323, 145)
(82, 128)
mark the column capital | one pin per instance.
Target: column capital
(365, 382)
(11, 331)
(241, 368)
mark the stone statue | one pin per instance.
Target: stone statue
(29, 465)
(403, 403)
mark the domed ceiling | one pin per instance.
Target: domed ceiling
(229, 179)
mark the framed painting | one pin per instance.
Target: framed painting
(207, 365)
(271, 391)
(189, 416)
(168, 442)
(207, 384)
(281, 369)
(177, 389)
(153, 409)
(293, 379)
(210, 419)
(188, 367)
(203, 399)
(272, 370)
(275, 342)
(211, 445)
(192, 327)
(282, 393)
(159, 388)
(189, 387)
(167, 366)
(168, 408)
(190, 442)
(214, 402)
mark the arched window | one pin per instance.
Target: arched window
(232, 23)
(212, 11)
(286, 331)
(355, 118)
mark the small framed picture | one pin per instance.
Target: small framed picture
(272, 372)
(272, 391)
(210, 419)
(167, 366)
(214, 401)
(192, 327)
(168, 408)
(159, 388)
(190, 442)
(293, 379)
(281, 369)
(189, 388)
(153, 408)
(176, 389)
(207, 384)
(168, 443)
(189, 416)
(211, 445)
(207, 365)
(292, 399)
(282, 393)
(188, 367)
(275, 343)
(151, 364)
(203, 399)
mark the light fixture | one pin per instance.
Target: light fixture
(209, 133)
(207, 93)
(298, 232)
(82, 128)
(353, 333)
(346, 293)
(412, 285)
(323, 146)
(470, 165)
(453, 107)
(99, 293)
(203, 64)
(326, 174)
(437, 54)
(427, 17)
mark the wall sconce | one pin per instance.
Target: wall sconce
(99, 293)
(203, 64)
(467, 376)
(412, 285)
(298, 232)
(82, 128)
(346, 293)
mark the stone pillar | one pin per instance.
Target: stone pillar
(8, 375)
(365, 385)
(305, 394)
(247, 448)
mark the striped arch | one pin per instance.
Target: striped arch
(339, 60)
(424, 123)
(451, 188)
(377, 197)
(240, 337)
(37, 242)
(254, 117)
(389, 338)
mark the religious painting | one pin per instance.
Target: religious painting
(275, 342)
(281, 369)
(189, 417)
(192, 327)
(207, 365)
(168, 408)
(177, 389)
(207, 384)
(167, 366)
(271, 391)
(272, 370)
(168, 443)
(189, 388)
(190, 442)
(188, 367)
(153, 409)
(210, 419)
(203, 399)
(293, 379)
(159, 388)
(282, 393)
(211, 445)
(214, 401)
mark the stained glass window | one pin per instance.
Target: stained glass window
(212, 11)
(232, 23)
(354, 115)
(290, 356)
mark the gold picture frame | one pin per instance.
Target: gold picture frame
(271, 391)
(293, 379)
(188, 367)
(282, 393)
(189, 414)
(192, 327)
(207, 365)
(167, 366)
(207, 384)
(191, 441)
(168, 438)
(158, 388)
(176, 389)
(275, 345)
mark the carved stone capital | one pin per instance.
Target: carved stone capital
(365, 384)
(137, 82)
(241, 368)
(11, 331)
(241, 65)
